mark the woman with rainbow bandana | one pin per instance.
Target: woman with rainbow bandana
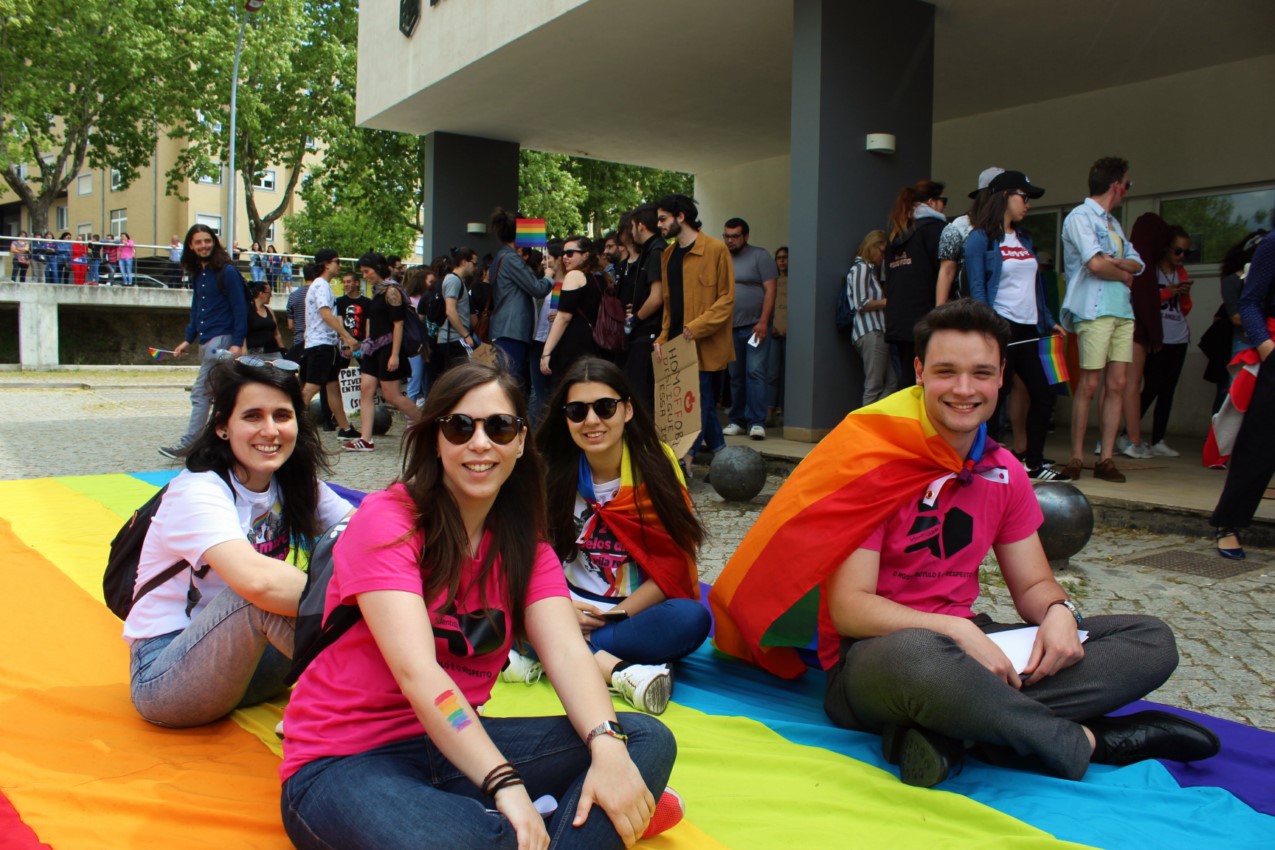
(622, 523)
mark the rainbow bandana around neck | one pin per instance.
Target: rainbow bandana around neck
(766, 601)
(631, 517)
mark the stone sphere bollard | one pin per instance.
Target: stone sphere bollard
(737, 473)
(1068, 521)
(381, 422)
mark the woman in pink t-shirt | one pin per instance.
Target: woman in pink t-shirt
(385, 746)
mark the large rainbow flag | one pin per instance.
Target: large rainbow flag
(758, 764)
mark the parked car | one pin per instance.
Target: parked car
(138, 280)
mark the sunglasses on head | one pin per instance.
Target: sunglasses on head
(577, 410)
(501, 428)
(260, 362)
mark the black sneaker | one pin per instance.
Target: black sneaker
(1045, 472)
(347, 433)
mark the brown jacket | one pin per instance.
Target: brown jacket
(708, 300)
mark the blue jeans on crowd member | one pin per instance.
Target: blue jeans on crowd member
(775, 371)
(53, 271)
(710, 435)
(539, 384)
(515, 360)
(748, 384)
(201, 393)
(232, 654)
(408, 795)
(93, 267)
(669, 631)
(126, 271)
(418, 383)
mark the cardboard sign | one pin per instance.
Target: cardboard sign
(677, 402)
(486, 353)
(349, 379)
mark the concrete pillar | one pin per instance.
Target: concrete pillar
(857, 68)
(466, 177)
(37, 326)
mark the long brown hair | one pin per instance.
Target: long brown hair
(909, 197)
(516, 519)
(653, 466)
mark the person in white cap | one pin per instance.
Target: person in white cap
(952, 242)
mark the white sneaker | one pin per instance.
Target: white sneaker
(1097, 449)
(1161, 449)
(1137, 450)
(1122, 444)
(757, 432)
(733, 430)
(278, 729)
(646, 687)
(522, 669)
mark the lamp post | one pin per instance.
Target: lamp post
(250, 7)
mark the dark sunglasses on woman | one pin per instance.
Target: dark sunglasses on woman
(501, 428)
(577, 410)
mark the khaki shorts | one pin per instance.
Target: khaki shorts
(1104, 340)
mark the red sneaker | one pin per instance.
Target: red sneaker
(669, 811)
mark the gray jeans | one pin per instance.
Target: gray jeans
(201, 392)
(232, 654)
(878, 378)
(916, 677)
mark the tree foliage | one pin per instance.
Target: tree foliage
(547, 189)
(613, 188)
(296, 94)
(81, 81)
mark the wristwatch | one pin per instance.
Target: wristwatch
(608, 727)
(1070, 606)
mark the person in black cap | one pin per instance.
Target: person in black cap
(1004, 274)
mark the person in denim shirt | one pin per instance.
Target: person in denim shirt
(1102, 264)
(1003, 274)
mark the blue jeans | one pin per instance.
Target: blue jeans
(93, 267)
(201, 393)
(53, 271)
(710, 426)
(515, 358)
(662, 633)
(539, 385)
(126, 270)
(748, 374)
(408, 795)
(418, 383)
(775, 371)
(232, 654)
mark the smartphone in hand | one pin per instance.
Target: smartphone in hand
(615, 615)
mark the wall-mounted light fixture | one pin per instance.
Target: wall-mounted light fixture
(476, 227)
(880, 143)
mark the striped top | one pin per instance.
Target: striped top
(862, 286)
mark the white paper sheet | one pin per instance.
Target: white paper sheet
(1017, 643)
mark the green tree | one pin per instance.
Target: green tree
(296, 93)
(547, 189)
(344, 226)
(613, 187)
(81, 81)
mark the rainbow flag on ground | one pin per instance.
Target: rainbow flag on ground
(531, 234)
(1053, 357)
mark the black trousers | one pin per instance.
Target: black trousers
(1252, 459)
(1159, 383)
(639, 370)
(1024, 360)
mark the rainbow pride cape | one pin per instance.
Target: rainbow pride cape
(766, 601)
(631, 517)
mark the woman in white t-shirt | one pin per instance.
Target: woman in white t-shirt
(386, 747)
(219, 635)
(622, 523)
(1004, 274)
(1164, 363)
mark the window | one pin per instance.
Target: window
(84, 229)
(1218, 221)
(270, 232)
(23, 171)
(213, 221)
(1043, 227)
(420, 245)
(84, 184)
(311, 144)
(119, 221)
(117, 180)
(213, 179)
(60, 218)
(265, 180)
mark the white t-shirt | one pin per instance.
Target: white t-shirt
(317, 331)
(1172, 320)
(197, 513)
(1016, 293)
(602, 567)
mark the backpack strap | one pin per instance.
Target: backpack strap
(340, 621)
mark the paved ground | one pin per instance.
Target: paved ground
(77, 423)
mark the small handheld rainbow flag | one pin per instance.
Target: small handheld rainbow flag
(531, 233)
(158, 353)
(1053, 357)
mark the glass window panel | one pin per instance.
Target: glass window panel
(1216, 222)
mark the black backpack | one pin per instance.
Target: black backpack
(120, 578)
(413, 326)
(844, 316)
(435, 308)
(313, 635)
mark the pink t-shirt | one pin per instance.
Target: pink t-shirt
(930, 554)
(348, 701)
(126, 249)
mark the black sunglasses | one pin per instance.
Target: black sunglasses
(1180, 251)
(605, 408)
(571, 252)
(501, 428)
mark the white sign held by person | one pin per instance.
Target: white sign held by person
(349, 379)
(677, 409)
